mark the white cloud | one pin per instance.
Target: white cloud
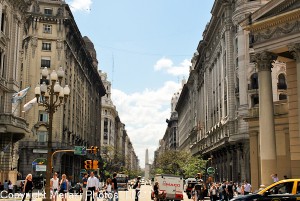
(144, 114)
(167, 65)
(80, 5)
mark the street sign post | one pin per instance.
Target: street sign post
(80, 150)
(210, 170)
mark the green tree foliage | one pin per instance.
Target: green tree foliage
(179, 163)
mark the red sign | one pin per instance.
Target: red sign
(170, 184)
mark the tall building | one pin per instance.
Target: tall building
(13, 126)
(52, 39)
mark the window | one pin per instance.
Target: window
(46, 46)
(281, 82)
(254, 81)
(48, 11)
(105, 129)
(42, 136)
(45, 62)
(2, 21)
(255, 99)
(283, 188)
(43, 116)
(47, 28)
(282, 96)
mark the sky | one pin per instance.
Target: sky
(145, 47)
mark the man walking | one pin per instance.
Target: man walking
(115, 186)
(92, 186)
(84, 183)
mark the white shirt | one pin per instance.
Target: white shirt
(92, 182)
(247, 187)
(108, 188)
(54, 183)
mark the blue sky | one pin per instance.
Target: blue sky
(145, 47)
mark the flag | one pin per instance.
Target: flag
(27, 106)
(20, 95)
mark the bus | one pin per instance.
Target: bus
(122, 180)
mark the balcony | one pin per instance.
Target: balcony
(12, 126)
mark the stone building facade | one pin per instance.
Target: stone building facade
(52, 39)
(13, 126)
(222, 87)
(274, 128)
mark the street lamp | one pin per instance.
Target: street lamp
(51, 95)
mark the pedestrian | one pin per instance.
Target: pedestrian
(108, 190)
(214, 192)
(5, 185)
(224, 190)
(10, 187)
(230, 190)
(138, 188)
(156, 191)
(115, 186)
(247, 188)
(84, 183)
(92, 186)
(63, 187)
(28, 186)
(274, 177)
(285, 177)
(54, 185)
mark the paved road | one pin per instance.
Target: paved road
(145, 195)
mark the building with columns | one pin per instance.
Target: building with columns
(222, 88)
(274, 128)
(215, 99)
(13, 126)
(52, 39)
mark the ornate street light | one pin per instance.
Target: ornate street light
(51, 95)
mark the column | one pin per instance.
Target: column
(293, 81)
(254, 159)
(268, 164)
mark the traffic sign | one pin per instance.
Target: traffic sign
(80, 150)
(39, 161)
(210, 170)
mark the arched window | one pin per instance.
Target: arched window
(254, 81)
(281, 82)
(282, 97)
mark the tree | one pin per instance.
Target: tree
(179, 163)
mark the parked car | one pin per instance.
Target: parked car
(76, 189)
(288, 189)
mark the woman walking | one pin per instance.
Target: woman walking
(63, 187)
(108, 189)
(28, 186)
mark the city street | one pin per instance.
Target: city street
(123, 196)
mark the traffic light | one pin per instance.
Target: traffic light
(88, 164)
(96, 149)
(92, 149)
(95, 164)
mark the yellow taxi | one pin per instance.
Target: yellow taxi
(288, 189)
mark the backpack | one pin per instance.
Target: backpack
(135, 185)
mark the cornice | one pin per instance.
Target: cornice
(274, 21)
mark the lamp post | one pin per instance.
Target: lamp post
(51, 95)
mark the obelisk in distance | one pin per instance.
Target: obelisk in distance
(147, 166)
